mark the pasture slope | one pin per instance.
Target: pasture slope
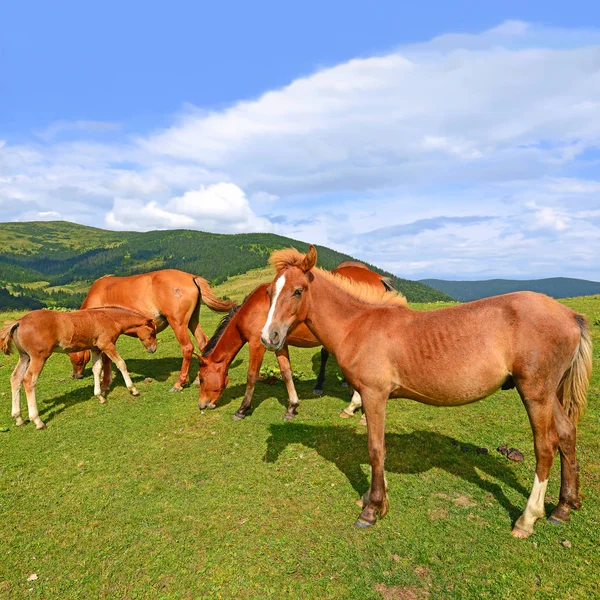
(147, 498)
(55, 262)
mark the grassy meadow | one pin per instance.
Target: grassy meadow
(148, 498)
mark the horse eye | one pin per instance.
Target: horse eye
(298, 292)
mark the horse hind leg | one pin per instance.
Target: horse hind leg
(29, 383)
(16, 382)
(569, 477)
(199, 335)
(318, 389)
(545, 438)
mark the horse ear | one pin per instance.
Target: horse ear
(310, 259)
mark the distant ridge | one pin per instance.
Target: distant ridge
(556, 287)
(65, 258)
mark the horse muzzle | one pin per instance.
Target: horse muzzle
(274, 338)
(151, 349)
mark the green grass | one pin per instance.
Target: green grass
(147, 498)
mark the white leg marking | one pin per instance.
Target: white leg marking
(534, 509)
(355, 403)
(96, 370)
(278, 287)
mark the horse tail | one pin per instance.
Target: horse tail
(6, 336)
(388, 284)
(206, 294)
(572, 390)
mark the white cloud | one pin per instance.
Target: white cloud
(221, 208)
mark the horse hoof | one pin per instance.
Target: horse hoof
(287, 418)
(238, 417)
(552, 519)
(134, 392)
(176, 389)
(519, 533)
(317, 392)
(40, 425)
(19, 421)
(101, 399)
(344, 415)
(363, 420)
(362, 524)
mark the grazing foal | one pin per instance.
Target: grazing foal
(40, 333)
(445, 357)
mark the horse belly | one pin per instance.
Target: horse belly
(453, 388)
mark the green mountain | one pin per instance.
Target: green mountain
(69, 257)
(557, 287)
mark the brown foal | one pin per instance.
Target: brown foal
(445, 357)
(243, 325)
(40, 333)
(170, 297)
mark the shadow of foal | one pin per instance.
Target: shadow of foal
(407, 453)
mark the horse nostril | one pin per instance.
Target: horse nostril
(275, 337)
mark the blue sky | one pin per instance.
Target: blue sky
(442, 139)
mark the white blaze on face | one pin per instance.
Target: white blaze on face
(278, 287)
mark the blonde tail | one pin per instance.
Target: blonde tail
(572, 390)
(6, 336)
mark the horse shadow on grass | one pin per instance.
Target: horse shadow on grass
(407, 453)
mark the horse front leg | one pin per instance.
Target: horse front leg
(106, 367)
(257, 353)
(112, 353)
(374, 402)
(283, 358)
(97, 359)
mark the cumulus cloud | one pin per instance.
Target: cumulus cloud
(463, 155)
(221, 208)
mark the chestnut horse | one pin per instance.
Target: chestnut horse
(445, 357)
(170, 297)
(243, 324)
(40, 333)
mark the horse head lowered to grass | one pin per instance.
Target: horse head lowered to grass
(243, 325)
(445, 357)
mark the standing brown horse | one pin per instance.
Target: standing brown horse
(170, 297)
(40, 333)
(243, 324)
(445, 357)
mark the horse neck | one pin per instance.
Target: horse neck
(230, 342)
(331, 310)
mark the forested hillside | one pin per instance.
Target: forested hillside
(69, 257)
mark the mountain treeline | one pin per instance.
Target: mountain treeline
(66, 254)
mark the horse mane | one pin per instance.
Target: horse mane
(210, 345)
(352, 263)
(365, 292)
(288, 257)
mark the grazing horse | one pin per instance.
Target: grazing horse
(170, 297)
(243, 324)
(40, 333)
(445, 357)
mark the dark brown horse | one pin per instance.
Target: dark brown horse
(40, 333)
(170, 297)
(445, 357)
(243, 324)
